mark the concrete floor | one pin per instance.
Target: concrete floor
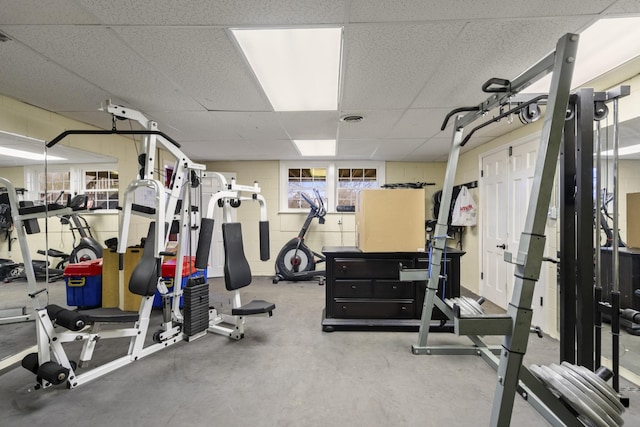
(285, 372)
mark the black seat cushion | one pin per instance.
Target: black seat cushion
(254, 307)
(109, 315)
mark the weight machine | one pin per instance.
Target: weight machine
(534, 385)
(50, 363)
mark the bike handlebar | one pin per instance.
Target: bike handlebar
(318, 209)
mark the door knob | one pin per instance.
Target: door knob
(502, 246)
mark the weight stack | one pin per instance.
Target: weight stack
(196, 306)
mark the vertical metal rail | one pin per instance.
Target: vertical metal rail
(598, 254)
(442, 226)
(584, 229)
(615, 292)
(532, 240)
(567, 276)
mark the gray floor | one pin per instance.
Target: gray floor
(285, 372)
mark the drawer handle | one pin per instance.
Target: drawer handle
(344, 268)
(344, 307)
(394, 287)
(404, 308)
(353, 286)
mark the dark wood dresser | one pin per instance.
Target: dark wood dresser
(364, 292)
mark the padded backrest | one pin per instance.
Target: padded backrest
(237, 273)
(144, 278)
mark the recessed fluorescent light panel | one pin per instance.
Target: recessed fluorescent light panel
(623, 151)
(10, 152)
(315, 147)
(299, 69)
(605, 45)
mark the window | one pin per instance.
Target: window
(337, 182)
(351, 181)
(101, 187)
(99, 182)
(305, 180)
(52, 185)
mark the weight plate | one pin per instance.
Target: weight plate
(573, 396)
(589, 397)
(612, 408)
(598, 383)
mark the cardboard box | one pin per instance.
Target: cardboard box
(390, 220)
(633, 220)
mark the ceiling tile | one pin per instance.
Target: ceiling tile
(219, 126)
(387, 64)
(100, 57)
(472, 58)
(309, 124)
(240, 150)
(217, 75)
(357, 149)
(419, 123)
(57, 12)
(428, 10)
(29, 77)
(217, 12)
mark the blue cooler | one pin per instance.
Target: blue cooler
(169, 271)
(84, 283)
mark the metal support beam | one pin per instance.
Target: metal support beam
(584, 230)
(532, 241)
(567, 277)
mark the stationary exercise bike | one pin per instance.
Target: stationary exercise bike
(296, 262)
(85, 246)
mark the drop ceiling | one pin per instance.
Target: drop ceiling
(405, 65)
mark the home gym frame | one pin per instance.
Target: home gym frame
(51, 364)
(515, 325)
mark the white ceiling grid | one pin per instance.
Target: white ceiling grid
(405, 64)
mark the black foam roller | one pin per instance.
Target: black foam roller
(30, 362)
(204, 243)
(71, 320)
(264, 240)
(53, 372)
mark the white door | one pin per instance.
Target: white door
(211, 185)
(507, 180)
(493, 283)
(522, 165)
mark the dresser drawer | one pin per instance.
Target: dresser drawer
(372, 309)
(353, 289)
(391, 289)
(369, 268)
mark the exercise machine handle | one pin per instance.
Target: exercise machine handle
(496, 85)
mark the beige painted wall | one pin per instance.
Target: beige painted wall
(285, 226)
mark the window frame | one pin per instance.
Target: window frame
(77, 181)
(332, 179)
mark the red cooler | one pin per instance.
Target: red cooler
(169, 271)
(84, 283)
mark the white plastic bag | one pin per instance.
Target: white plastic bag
(464, 210)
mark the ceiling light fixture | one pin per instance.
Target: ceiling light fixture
(603, 46)
(623, 151)
(298, 69)
(10, 152)
(315, 147)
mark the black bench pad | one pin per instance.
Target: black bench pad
(110, 315)
(254, 307)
